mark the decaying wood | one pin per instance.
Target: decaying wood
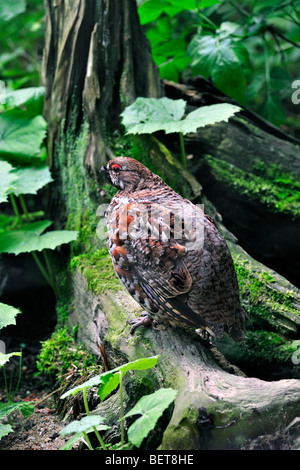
(97, 60)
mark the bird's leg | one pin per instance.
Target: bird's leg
(143, 319)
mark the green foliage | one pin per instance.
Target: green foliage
(98, 270)
(21, 42)
(151, 407)
(60, 352)
(148, 115)
(248, 49)
(8, 317)
(268, 185)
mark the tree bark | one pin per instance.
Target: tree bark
(257, 166)
(97, 61)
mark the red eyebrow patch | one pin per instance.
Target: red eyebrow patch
(115, 165)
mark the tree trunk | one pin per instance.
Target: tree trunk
(257, 166)
(96, 61)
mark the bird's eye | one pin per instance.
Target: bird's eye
(115, 167)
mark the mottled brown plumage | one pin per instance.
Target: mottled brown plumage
(169, 255)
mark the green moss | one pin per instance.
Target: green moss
(98, 270)
(263, 303)
(60, 352)
(266, 184)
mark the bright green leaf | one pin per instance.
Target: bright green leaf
(5, 429)
(7, 180)
(9, 10)
(87, 384)
(6, 357)
(147, 115)
(151, 407)
(8, 315)
(152, 9)
(25, 102)
(222, 60)
(21, 137)
(110, 383)
(7, 408)
(86, 424)
(29, 238)
(30, 180)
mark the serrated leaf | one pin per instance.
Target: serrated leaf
(21, 137)
(6, 357)
(7, 180)
(86, 424)
(8, 315)
(30, 180)
(96, 380)
(5, 429)
(29, 238)
(9, 10)
(219, 59)
(7, 408)
(26, 102)
(110, 382)
(147, 115)
(151, 407)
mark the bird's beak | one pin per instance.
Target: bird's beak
(103, 168)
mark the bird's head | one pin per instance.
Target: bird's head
(128, 174)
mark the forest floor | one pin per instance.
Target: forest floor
(40, 431)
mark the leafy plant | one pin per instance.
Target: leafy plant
(148, 115)
(248, 49)
(8, 317)
(22, 129)
(150, 407)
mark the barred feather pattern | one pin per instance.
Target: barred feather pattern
(178, 269)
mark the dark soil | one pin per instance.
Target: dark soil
(40, 431)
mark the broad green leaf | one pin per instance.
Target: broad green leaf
(219, 59)
(26, 102)
(152, 9)
(6, 357)
(110, 380)
(110, 383)
(31, 179)
(5, 429)
(7, 180)
(147, 115)
(29, 238)
(9, 10)
(151, 407)
(8, 315)
(7, 408)
(21, 137)
(87, 384)
(86, 424)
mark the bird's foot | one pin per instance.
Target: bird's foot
(143, 319)
(206, 335)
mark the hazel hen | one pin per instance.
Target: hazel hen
(169, 254)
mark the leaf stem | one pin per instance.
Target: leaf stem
(15, 207)
(183, 155)
(42, 269)
(24, 207)
(122, 409)
(87, 410)
(87, 441)
(49, 268)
